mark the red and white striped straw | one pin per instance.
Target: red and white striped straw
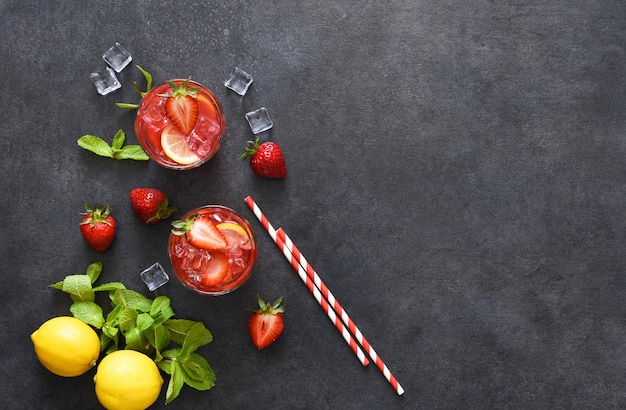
(312, 275)
(316, 293)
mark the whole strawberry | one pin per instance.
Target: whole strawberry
(266, 159)
(98, 227)
(151, 204)
(266, 323)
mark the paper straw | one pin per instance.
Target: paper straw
(313, 276)
(318, 296)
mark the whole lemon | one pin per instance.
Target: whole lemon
(66, 346)
(127, 380)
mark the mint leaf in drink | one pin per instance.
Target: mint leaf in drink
(148, 78)
(117, 150)
(88, 312)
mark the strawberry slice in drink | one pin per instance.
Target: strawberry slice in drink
(215, 270)
(181, 106)
(201, 232)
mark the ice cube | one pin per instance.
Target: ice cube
(203, 137)
(105, 81)
(155, 276)
(259, 120)
(239, 81)
(117, 57)
(155, 116)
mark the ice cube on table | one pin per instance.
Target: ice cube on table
(105, 81)
(117, 57)
(239, 81)
(155, 276)
(259, 120)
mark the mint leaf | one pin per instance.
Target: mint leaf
(135, 152)
(118, 140)
(193, 370)
(111, 286)
(96, 145)
(88, 312)
(130, 298)
(127, 105)
(93, 271)
(179, 328)
(79, 288)
(144, 321)
(198, 336)
(209, 375)
(148, 78)
(127, 319)
(176, 383)
(116, 151)
(158, 337)
(136, 341)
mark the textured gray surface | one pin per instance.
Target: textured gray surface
(457, 176)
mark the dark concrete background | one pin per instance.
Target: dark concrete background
(457, 176)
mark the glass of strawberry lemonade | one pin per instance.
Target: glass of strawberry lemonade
(212, 250)
(180, 124)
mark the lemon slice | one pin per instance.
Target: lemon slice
(234, 234)
(175, 146)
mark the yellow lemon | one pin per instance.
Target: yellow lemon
(174, 144)
(66, 346)
(127, 380)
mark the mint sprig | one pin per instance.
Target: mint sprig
(117, 149)
(147, 325)
(148, 78)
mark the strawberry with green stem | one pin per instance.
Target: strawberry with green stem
(98, 227)
(151, 204)
(266, 323)
(266, 159)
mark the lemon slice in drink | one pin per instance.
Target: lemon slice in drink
(234, 234)
(175, 146)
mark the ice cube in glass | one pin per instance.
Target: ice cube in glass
(259, 120)
(105, 81)
(239, 81)
(117, 57)
(155, 276)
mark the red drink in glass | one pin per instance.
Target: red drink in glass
(167, 144)
(190, 263)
